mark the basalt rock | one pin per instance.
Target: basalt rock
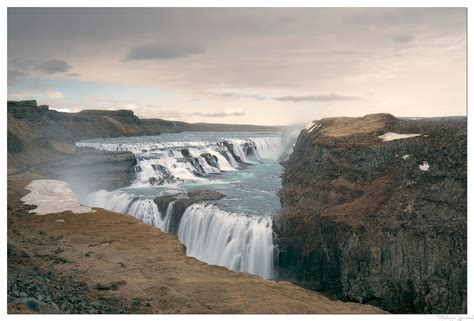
(181, 203)
(230, 147)
(163, 202)
(14, 145)
(364, 220)
(204, 195)
(185, 152)
(211, 159)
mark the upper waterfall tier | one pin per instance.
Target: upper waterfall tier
(167, 160)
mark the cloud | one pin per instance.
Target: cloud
(164, 114)
(326, 98)
(227, 113)
(37, 90)
(39, 86)
(237, 95)
(164, 50)
(15, 75)
(131, 106)
(54, 66)
(403, 38)
(293, 98)
(55, 94)
(272, 54)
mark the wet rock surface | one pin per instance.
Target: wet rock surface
(363, 221)
(230, 148)
(182, 202)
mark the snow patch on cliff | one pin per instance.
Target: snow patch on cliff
(312, 126)
(424, 167)
(389, 136)
(309, 125)
(53, 196)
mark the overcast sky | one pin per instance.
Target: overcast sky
(261, 66)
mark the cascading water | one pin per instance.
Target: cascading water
(144, 210)
(235, 232)
(171, 162)
(237, 242)
(169, 212)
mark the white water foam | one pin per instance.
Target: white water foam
(238, 242)
(166, 162)
(144, 210)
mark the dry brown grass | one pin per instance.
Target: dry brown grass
(151, 266)
(347, 126)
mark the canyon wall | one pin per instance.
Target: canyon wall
(374, 221)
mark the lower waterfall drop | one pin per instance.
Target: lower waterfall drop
(238, 242)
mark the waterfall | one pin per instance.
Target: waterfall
(238, 242)
(161, 163)
(268, 147)
(144, 210)
(169, 213)
(289, 137)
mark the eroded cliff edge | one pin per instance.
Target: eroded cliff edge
(368, 220)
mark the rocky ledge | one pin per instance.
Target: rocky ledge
(374, 211)
(181, 203)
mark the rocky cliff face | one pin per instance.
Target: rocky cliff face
(374, 221)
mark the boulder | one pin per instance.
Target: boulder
(211, 159)
(185, 152)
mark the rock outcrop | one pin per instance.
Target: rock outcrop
(181, 203)
(374, 221)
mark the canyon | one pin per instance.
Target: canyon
(373, 211)
(61, 263)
